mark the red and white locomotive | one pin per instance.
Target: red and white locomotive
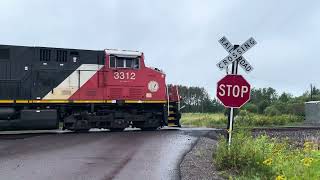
(83, 89)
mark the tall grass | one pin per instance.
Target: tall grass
(265, 158)
(203, 119)
(244, 118)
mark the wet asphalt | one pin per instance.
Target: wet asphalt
(97, 155)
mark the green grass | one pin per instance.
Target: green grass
(265, 158)
(248, 119)
(244, 118)
(203, 119)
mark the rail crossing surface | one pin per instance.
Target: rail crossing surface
(132, 154)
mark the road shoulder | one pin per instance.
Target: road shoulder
(197, 164)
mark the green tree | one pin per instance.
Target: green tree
(197, 99)
(263, 97)
(272, 111)
(250, 107)
(285, 97)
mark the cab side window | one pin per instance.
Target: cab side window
(122, 62)
(136, 64)
(112, 62)
(129, 63)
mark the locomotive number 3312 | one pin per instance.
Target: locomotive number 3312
(124, 75)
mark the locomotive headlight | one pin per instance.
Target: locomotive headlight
(153, 86)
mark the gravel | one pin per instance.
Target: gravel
(198, 164)
(296, 136)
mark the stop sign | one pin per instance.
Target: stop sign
(233, 91)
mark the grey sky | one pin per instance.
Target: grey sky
(180, 37)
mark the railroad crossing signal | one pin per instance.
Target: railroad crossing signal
(226, 44)
(233, 91)
(236, 53)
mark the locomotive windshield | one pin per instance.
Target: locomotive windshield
(124, 62)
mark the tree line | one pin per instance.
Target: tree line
(197, 99)
(263, 101)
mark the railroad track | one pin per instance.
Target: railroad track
(299, 132)
(286, 128)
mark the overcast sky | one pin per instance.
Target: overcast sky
(181, 37)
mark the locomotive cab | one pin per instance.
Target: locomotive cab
(126, 71)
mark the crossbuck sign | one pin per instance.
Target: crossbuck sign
(236, 54)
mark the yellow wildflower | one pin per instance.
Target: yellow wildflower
(307, 161)
(277, 149)
(308, 146)
(281, 177)
(267, 162)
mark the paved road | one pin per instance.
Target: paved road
(96, 155)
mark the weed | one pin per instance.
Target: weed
(265, 158)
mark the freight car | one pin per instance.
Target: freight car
(42, 87)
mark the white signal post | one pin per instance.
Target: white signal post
(230, 126)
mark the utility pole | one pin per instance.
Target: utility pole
(311, 92)
(202, 104)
